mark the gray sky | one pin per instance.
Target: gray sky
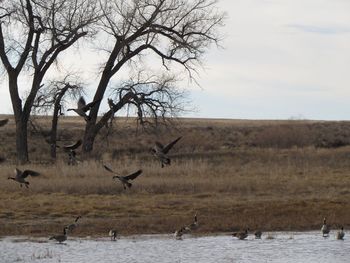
(280, 59)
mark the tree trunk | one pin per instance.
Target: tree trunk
(55, 116)
(53, 134)
(89, 138)
(21, 141)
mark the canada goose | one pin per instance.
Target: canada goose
(258, 234)
(82, 108)
(124, 179)
(194, 225)
(21, 175)
(178, 233)
(325, 228)
(3, 122)
(60, 238)
(74, 225)
(340, 234)
(70, 149)
(113, 234)
(241, 235)
(160, 151)
(111, 104)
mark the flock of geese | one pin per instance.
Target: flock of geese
(160, 151)
(241, 235)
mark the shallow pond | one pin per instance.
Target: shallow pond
(279, 247)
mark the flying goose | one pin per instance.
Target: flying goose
(124, 179)
(70, 149)
(82, 108)
(160, 151)
(325, 228)
(3, 122)
(74, 225)
(340, 234)
(258, 234)
(21, 175)
(113, 234)
(60, 238)
(241, 235)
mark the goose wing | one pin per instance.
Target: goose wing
(167, 147)
(81, 103)
(90, 105)
(29, 172)
(3, 122)
(133, 175)
(108, 169)
(73, 146)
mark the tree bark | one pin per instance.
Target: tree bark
(89, 138)
(21, 141)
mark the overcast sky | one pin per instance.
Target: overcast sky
(280, 59)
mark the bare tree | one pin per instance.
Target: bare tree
(53, 98)
(176, 31)
(32, 35)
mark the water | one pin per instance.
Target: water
(284, 247)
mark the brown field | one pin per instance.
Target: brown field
(271, 175)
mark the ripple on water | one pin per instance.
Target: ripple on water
(302, 247)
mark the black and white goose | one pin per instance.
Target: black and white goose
(258, 234)
(340, 234)
(160, 151)
(241, 235)
(82, 108)
(325, 228)
(124, 179)
(20, 176)
(70, 149)
(60, 238)
(194, 225)
(113, 234)
(74, 225)
(179, 233)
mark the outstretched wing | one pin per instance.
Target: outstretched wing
(108, 169)
(90, 105)
(73, 146)
(170, 145)
(3, 122)
(133, 175)
(81, 103)
(29, 172)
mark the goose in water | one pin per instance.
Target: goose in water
(60, 238)
(113, 234)
(82, 108)
(124, 179)
(241, 235)
(325, 228)
(178, 233)
(340, 234)
(160, 151)
(194, 225)
(258, 234)
(21, 175)
(74, 225)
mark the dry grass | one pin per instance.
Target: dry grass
(270, 188)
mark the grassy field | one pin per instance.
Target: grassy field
(271, 175)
